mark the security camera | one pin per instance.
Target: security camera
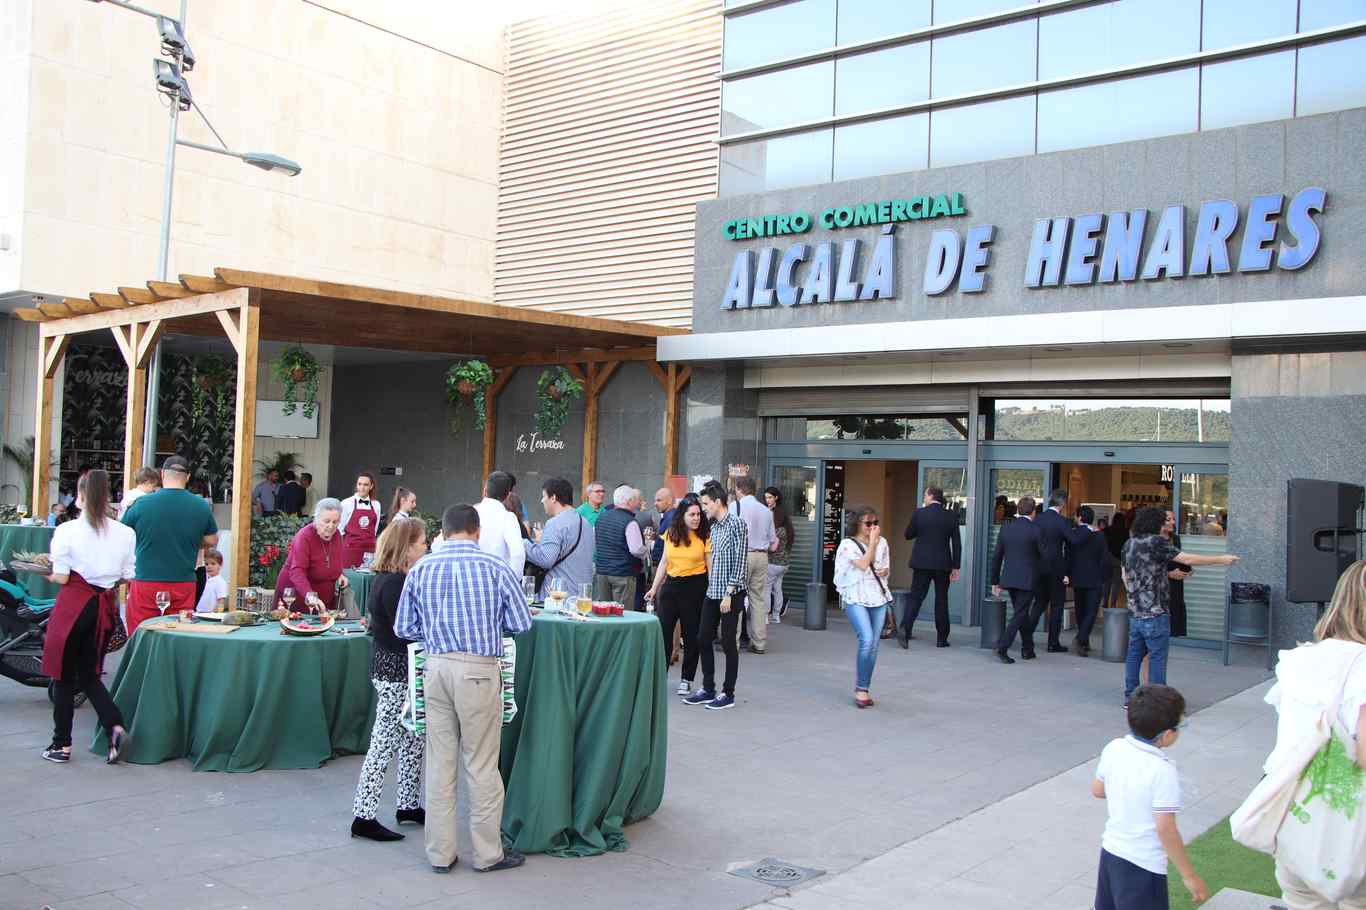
(173, 43)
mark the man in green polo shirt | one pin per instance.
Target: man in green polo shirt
(591, 507)
(172, 526)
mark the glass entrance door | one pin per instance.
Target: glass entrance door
(952, 478)
(798, 482)
(1007, 483)
(1202, 524)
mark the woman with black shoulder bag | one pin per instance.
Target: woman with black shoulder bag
(862, 564)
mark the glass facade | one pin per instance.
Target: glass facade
(988, 55)
(1112, 420)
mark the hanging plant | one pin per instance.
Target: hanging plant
(466, 383)
(210, 373)
(295, 368)
(555, 388)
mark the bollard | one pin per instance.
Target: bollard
(815, 607)
(993, 621)
(1115, 643)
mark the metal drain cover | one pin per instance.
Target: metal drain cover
(776, 872)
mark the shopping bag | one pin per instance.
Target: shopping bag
(414, 714)
(507, 671)
(1323, 837)
(1256, 822)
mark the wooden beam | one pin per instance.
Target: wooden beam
(500, 381)
(605, 372)
(30, 314)
(123, 340)
(663, 377)
(244, 437)
(199, 305)
(55, 310)
(135, 417)
(573, 369)
(684, 377)
(151, 334)
(109, 301)
(51, 350)
(590, 426)
(670, 421)
(232, 325)
(79, 306)
(563, 358)
(166, 290)
(132, 296)
(203, 284)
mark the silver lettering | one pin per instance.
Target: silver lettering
(879, 283)
(1209, 250)
(789, 294)
(1081, 266)
(1043, 268)
(819, 281)
(846, 288)
(975, 256)
(1299, 220)
(763, 280)
(741, 281)
(1168, 252)
(1255, 255)
(1123, 245)
(941, 263)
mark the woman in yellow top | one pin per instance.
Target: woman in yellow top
(681, 584)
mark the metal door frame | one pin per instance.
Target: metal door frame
(775, 462)
(968, 533)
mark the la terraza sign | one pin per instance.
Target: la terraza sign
(1093, 248)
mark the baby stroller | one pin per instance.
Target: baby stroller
(23, 620)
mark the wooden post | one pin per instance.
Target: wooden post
(594, 378)
(246, 322)
(135, 415)
(500, 381)
(51, 350)
(674, 380)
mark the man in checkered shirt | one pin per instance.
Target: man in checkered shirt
(725, 600)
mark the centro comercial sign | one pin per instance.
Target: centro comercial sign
(917, 208)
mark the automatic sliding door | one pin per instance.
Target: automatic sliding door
(797, 482)
(1007, 484)
(1202, 523)
(952, 478)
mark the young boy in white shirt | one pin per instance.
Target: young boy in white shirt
(1143, 794)
(215, 586)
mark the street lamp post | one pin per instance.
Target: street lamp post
(171, 82)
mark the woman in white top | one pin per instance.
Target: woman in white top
(862, 564)
(404, 504)
(89, 557)
(1309, 678)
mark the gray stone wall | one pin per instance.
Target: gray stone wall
(1236, 164)
(397, 415)
(723, 423)
(1294, 415)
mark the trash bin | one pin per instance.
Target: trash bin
(993, 621)
(815, 607)
(900, 596)
(1115, 643)
(1249, 611)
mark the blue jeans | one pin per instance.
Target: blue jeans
(1149, 636)
(867, 622)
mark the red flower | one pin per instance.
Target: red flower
(264, 560)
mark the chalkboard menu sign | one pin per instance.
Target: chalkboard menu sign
(832, 518)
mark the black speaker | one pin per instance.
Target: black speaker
(1314, 555)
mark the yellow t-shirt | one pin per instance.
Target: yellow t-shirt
(689, 559)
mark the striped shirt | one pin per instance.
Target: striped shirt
(461, 599)
(729, 545)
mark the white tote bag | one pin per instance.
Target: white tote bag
(1308, 810)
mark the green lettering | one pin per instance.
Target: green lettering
(783, 226)
(899, 210)
(843, 216)
(801, 223)
(957, 205)
(884, 212)
(940, 207)
(865, 214)
(756, 227)
(917, 208)
(730, 230)
(827, 219)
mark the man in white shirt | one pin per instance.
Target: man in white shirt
(763, 538)
(500, 532)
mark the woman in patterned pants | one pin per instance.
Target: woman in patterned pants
(403, 543)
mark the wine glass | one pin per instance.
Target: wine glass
(315, 603)
(288, 595)
(163, 601)
(557, 593)
(529, 589)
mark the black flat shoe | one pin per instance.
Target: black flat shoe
(443, 870)
(1004, 658)
(57, 754)
(511, 860)
(901, 638)
(416, 816)
(1028, 655)
(1056, 649)
(941, 644)
(370, 829)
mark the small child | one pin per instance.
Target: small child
(1143, 794)
(146, 480)
(215, 586)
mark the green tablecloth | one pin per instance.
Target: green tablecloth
(244, 701)
(360, 583)
(585, 754)
(28, 538)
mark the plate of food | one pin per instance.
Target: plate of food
(39, 563)
(300, 624)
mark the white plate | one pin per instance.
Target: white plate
(211, 617)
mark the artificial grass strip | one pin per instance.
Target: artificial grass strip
(1223, 863)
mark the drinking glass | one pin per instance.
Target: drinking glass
(163, 601)
(288, 595)
(529, 589)
(585, 603)
(315, 603)
(557, 594)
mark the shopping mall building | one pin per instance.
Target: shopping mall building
(1114, 246)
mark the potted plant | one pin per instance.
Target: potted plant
(296, 367)
(555, 388)
(282, 462)
(466, 383)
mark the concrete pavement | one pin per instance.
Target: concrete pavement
(793, 772)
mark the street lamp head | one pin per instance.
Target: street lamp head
(171, 84)
(173, 43)
(268, 162)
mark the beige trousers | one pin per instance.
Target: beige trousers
(756, 596)
(464, 697)
(1298, 896)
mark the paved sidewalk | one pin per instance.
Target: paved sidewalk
(794, 772)
(1039, 848)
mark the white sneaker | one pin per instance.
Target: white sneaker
(775, 619)
(684, 687)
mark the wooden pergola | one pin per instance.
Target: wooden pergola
(250, 307)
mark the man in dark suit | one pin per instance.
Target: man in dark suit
(936, 557)
(290, 499)
(1051, 595)
(1020, 547)
(1088, 566)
